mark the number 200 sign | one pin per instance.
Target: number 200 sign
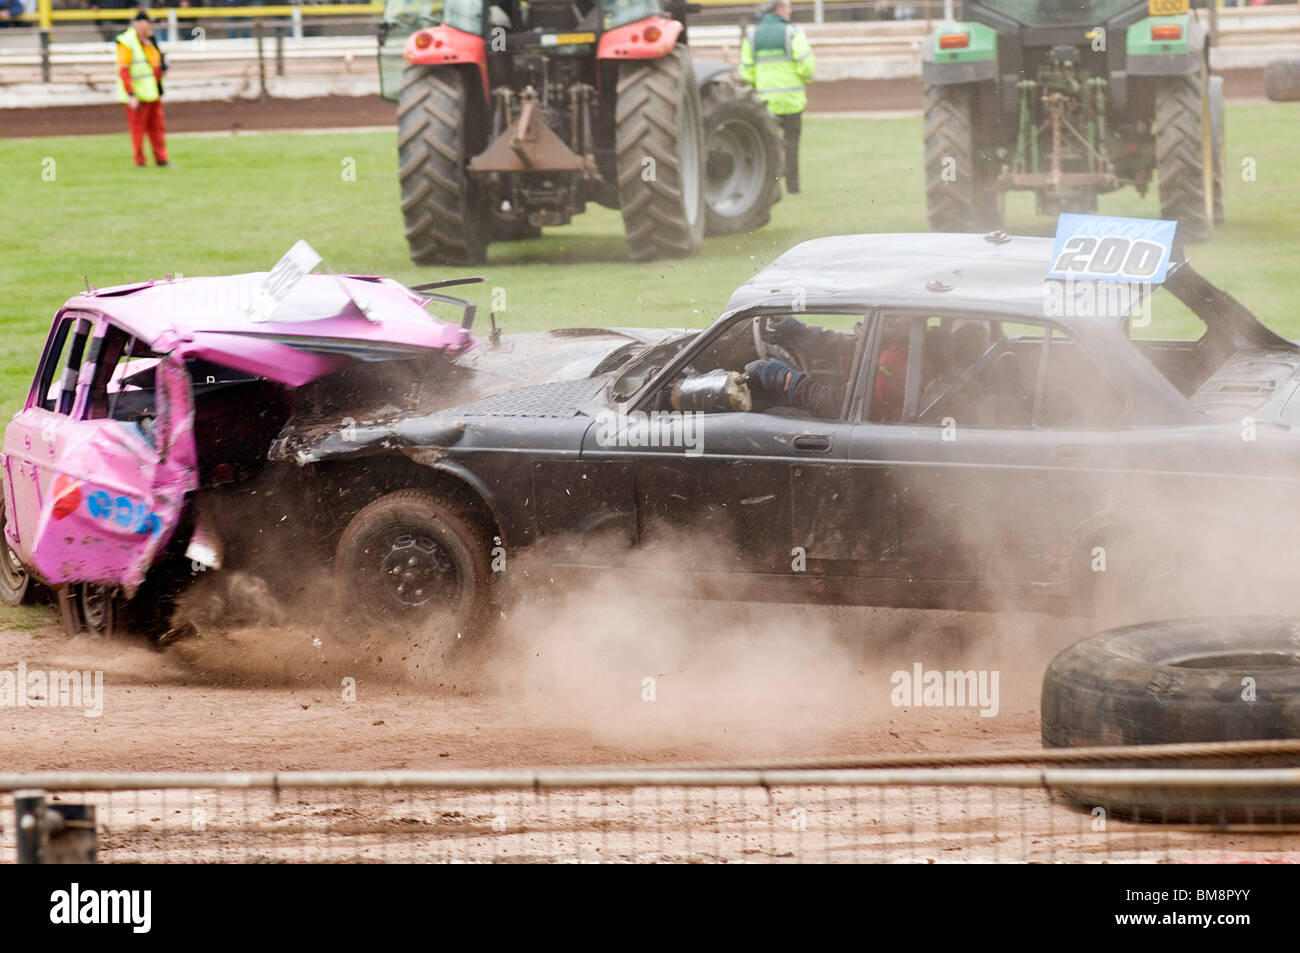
(1103, 248)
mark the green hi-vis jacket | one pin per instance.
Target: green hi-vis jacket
(777, 60)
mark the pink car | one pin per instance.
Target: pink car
(145, 393)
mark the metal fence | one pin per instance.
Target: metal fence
(961, 815)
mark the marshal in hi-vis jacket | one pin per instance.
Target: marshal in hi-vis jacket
(777, 60)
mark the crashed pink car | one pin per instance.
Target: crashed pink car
(147, 392)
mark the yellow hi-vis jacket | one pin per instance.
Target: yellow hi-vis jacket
(777, 60)
(143, 82)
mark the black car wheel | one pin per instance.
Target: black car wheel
(411, 556)
(90, 609)
(100, 609)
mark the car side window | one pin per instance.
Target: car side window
(123, 384)
(56, 385)
(976, 372)
(722, 376)
(1072, 392)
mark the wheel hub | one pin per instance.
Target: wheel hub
(734, 177)
(418, 569)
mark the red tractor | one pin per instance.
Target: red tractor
(514, 115)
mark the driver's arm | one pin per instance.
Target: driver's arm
(784, 385)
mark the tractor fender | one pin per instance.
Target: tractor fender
(706, 70)
(443, 45)
(975, 61)
(1148, 56)
(628, 42)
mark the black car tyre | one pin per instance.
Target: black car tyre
(102, 610)
(658, 139)
(1176, 681)
(90, 609)
(410, 555)
(1192, 680)
(1282, 79)
(446, 220)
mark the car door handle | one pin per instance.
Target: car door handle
(1073, 451)
(812, 443)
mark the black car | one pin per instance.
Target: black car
(983, 439)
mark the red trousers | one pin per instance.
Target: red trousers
(147, 118)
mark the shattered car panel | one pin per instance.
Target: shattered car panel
(117, 492)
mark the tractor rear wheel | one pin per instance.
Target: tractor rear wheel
(1184, 154)
(744, 157)
(658, 138)
(960, 195)
(446, 221)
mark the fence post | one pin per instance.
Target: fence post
(28, 806)
(45, 56)
(173, 25)
(279, 50)
(297, 21)
(58, 834)
(46, 23)
(258, 32)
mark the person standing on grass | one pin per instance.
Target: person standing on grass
(140, 66)
(777, 60)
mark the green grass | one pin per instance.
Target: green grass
(25, 619)
(236, 204)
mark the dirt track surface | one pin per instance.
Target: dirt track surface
(259, 698)
(732, 683)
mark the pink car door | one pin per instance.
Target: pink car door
(99, 468)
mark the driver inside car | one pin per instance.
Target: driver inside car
(832, 351)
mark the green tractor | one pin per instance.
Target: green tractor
(1070, 99)
(512, 115)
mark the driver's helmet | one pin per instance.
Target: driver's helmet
(968, 342)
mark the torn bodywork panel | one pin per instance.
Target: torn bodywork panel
(114, 493)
